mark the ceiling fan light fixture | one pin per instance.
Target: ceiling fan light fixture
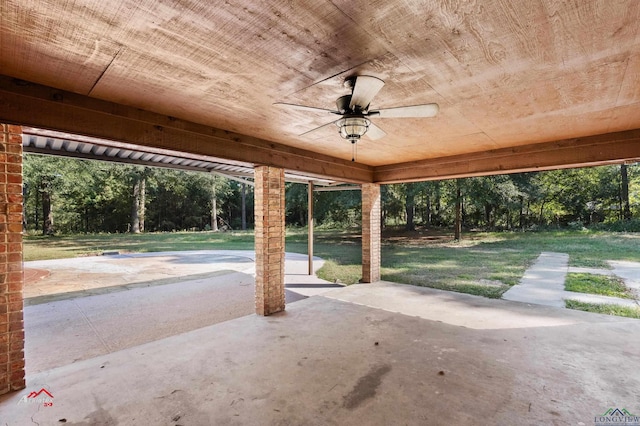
(352, 128)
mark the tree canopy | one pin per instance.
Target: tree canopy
(89, 196)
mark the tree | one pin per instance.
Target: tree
(139, 179)
(411, 190)
(624, 192)
(46, 184)
(214, 205)
(41, 177)
(458, 223)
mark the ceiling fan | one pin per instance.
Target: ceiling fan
(354, 111)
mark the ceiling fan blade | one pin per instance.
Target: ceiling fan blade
(427, 110)
(365, 88)
(305, 108)
(308, 133)
(374, 132)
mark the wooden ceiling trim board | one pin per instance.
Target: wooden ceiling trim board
(44, 107)
(611, 148)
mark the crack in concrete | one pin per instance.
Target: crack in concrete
(93, 328)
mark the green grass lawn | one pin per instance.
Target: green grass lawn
(597, 284)
(482, 263)
(60, 247)
(621, 311)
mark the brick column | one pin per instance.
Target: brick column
(370, 232)
(269, 239)
(11, 274)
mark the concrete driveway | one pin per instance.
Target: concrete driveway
(90, 306)
(58, 279)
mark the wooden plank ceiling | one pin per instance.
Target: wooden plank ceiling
(509, 75)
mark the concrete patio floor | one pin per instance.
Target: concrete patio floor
(371, 354)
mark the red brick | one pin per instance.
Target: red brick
(18, 384)
(14, 129)
(14, 158)
(14, 149)
(15, 316)
(370, 233)
(269, 239)
(15, 198)
(12, 375)
(16, 325)
(17, 335)
(14, 178)
(14, 266)
(15, 349)
(13, 168)
(15, 306)
(14, 227)
(17, 365)
(15, 238)
(16, 376)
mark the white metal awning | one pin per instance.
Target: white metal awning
(47, 142)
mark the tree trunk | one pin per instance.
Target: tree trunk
(540, 216)
(142, 207)
(410, 208)
(487, 215)
(458, 225)
(624, 192)
(135, 207)
(214, 207)
(36, 210)
(438, 200)
(244, 206)
(47, 212)
(383, 217)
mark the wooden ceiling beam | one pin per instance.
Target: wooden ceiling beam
(34, 105)
(598, 150)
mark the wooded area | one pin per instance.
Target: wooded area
(75, 196)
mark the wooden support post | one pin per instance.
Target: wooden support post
(310, 227)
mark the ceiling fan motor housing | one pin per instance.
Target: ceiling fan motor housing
(342, 104)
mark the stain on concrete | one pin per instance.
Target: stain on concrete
(366, 387)
(99, 417)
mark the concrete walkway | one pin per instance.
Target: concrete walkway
(543, 282)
